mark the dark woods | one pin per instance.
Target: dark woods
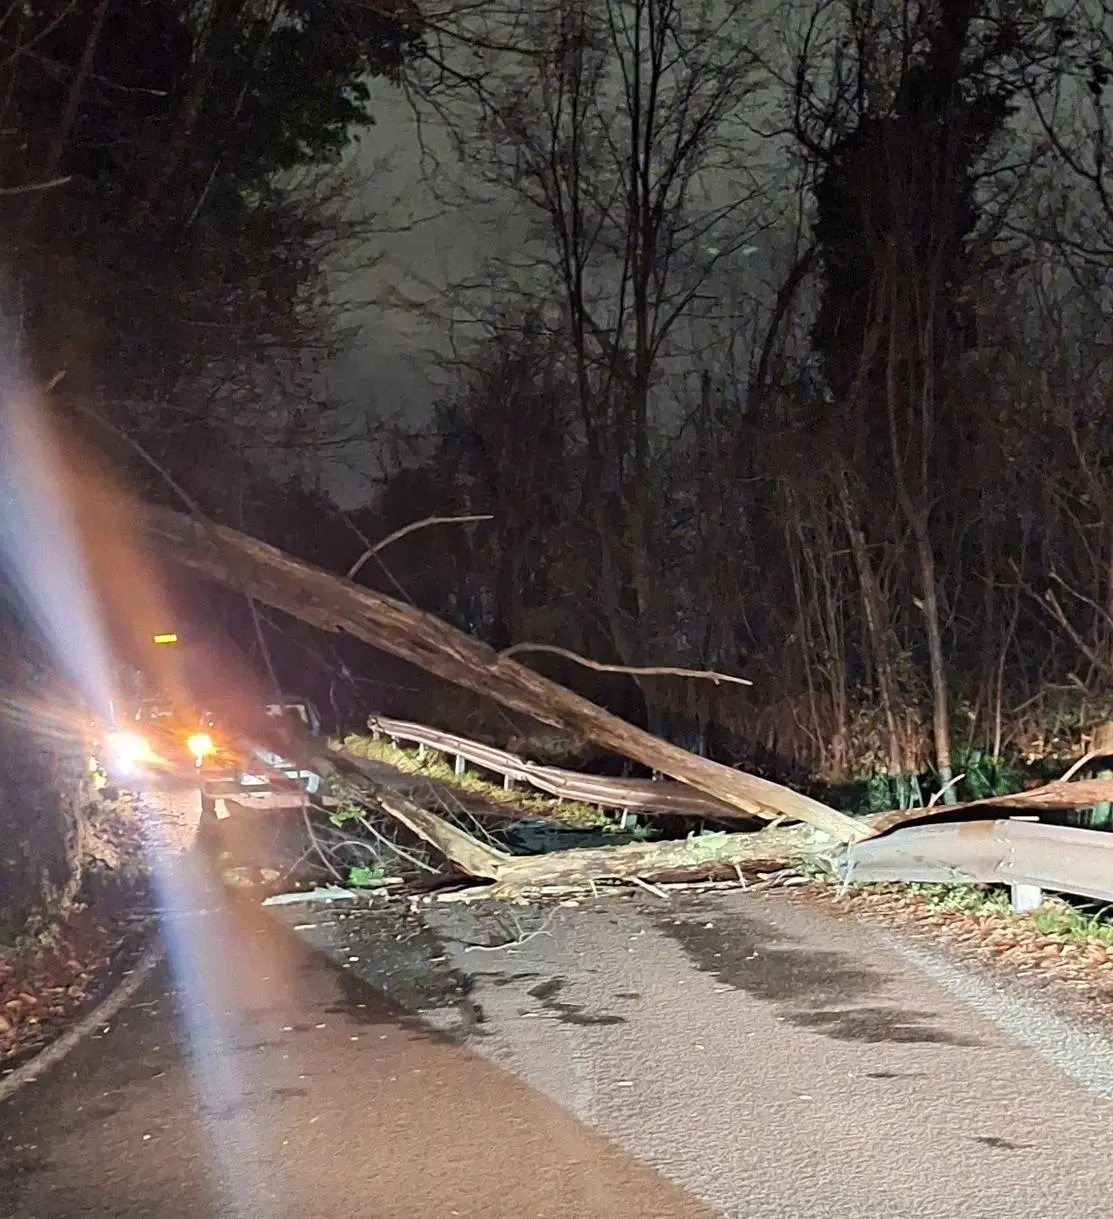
(836, 424)
(169, 193)
(879, 487)
(167, 200)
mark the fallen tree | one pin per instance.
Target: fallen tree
(335, 604)
(1058, 796)
(514, 874)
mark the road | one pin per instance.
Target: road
(744, 1056)
(776, 1060)
(252, 1078)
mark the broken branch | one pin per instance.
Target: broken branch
(32, 188)
(406, 530)
(636, 861)
(633, 670)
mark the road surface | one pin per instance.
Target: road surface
(774, 1059)
(743, 1056)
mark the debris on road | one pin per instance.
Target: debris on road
(324, 893)
(514, 875)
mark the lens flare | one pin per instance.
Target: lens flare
(68, 548)
(39, 543)
(127, 750)
(200, 745)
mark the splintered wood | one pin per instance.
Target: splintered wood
(515, 874)
(334, 604)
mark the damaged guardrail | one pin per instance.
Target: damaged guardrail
(1022, 854)
(629, 795)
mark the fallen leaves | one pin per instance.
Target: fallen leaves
(1012, 943)
(45, 985)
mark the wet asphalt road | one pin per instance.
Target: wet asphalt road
(744, 1055)
(252, 1078)
(771, 1058)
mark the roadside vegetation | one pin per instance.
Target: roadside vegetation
(1063, 941)
(432, 765)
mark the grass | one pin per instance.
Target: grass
(1059, 920)
(434, 766)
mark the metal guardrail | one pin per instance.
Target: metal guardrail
(1023, 854)
(629, 795)
(1016, 853)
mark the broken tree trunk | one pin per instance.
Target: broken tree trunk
(334, 604)
(1055, 797)
(517, 873)
(775, 847)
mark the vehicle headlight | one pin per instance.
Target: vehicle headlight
(200, 745)
(127, 749)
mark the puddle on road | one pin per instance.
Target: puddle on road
(825, 991)
(394, 966)
(878, 1024)
(288, 1093)
(546, 990)
(501, 980)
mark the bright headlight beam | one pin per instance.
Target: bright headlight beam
(200, 744)
(128, 747)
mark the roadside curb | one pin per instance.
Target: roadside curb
(105, 1010)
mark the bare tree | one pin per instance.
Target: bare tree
(618, 125)
(915, 102)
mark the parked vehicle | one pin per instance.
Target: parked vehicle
(258, 773)
(157, 731)
(152, 732)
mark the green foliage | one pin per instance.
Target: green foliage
(303, 80)
(346, 811)
(1069, 922)
(1076, 924)
(363, 877)
(971, 899)
(986, 776)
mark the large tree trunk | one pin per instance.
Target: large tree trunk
(334, 604)
(514, 873)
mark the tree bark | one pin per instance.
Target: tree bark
(877, 626)
(334, 604)
(513, 873)
(940, 712)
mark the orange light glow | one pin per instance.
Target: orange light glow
(200, 745)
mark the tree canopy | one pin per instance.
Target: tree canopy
(162, 198)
